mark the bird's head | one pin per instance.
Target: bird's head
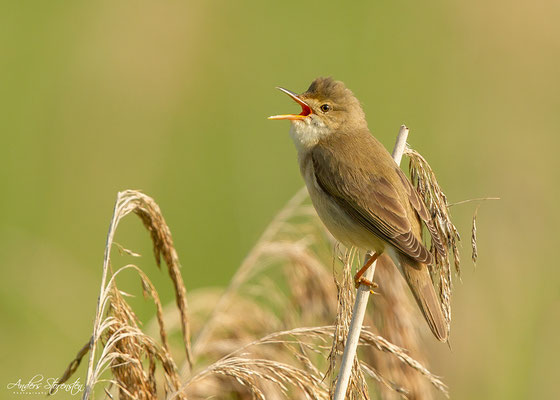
(327, 108)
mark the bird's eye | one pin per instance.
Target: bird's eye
(325, 108)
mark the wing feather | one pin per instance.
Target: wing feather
(371, 199)
(422, 212)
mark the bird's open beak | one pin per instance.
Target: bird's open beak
(305, 109)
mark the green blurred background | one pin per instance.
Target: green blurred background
(171, 97)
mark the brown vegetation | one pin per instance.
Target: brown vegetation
(277, 331)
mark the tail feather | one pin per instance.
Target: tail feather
(420, 282)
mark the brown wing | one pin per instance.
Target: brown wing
(370, 198)
(422, 212)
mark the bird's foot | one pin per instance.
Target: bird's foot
(360, 280)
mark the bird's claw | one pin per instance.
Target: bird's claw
(363, 281)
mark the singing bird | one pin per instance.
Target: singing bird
(360, 193)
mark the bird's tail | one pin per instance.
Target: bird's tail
(420, 282)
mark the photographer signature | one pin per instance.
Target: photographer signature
(38, 384)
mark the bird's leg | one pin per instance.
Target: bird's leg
(359, 279)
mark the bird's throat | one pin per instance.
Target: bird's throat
(307, 133)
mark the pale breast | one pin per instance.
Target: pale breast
(341, 225)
